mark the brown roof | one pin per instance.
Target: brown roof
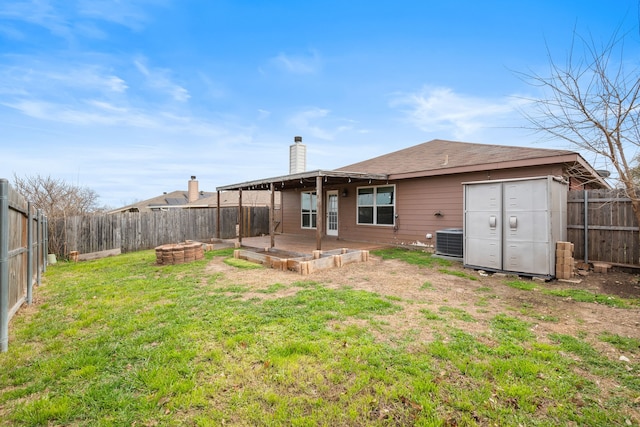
(450, 156)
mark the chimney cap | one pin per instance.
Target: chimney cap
(193, 177)
(297, 139)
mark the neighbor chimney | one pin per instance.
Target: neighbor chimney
(192, 193)
(297, 156)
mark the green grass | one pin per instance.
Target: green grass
(457, 313)
(627, 344)
(430, 315)
(521, 284)
(457, 273)
(123, 341)
(242, 263)
(427, 286)
(273, 288)
(415, 257)
(582, 295)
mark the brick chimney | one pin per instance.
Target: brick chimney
(192, 192)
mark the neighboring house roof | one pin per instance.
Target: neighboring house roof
(174, 199)
(440, 157)
(179, 200)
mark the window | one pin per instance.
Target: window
(376, 205)
(309, 209)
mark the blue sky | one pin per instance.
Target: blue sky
(132, 97)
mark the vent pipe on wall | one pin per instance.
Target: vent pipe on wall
(297, 156)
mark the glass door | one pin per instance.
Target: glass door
(332, 213)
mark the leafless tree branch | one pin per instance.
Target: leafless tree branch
(592, 101)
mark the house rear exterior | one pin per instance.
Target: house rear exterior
(404, 197)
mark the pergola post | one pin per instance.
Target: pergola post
(272, 231)
(319, 213)
(240, 216)
(218, 225)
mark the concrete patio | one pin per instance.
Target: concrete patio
(303, 244)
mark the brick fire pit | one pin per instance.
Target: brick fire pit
(179, 253)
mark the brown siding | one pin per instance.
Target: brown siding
(291, 220)
(417, 200)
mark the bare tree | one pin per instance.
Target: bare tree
(58, 200)
(593, 102)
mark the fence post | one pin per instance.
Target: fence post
(4, 265)
(39, 239)
(586, 226)
(29, 254)
(45, 242)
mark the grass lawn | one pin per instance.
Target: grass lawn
(124, 342)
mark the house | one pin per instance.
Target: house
(404, 197)
(193, 198)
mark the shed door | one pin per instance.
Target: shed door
(483, 225)
(526, 227)
(332, 213)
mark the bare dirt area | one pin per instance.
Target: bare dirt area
(472, 300)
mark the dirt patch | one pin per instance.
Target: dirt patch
(468, 303)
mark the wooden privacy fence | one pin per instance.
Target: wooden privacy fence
(134, 231)
(602, 226)
(23, 237)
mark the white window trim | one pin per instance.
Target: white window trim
(375, 213)
(311, 213)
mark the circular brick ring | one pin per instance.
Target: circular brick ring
(179, 253)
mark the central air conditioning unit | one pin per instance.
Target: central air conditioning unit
(449, 242)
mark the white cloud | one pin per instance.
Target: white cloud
(212, 88)
(11, 33)
(37, 12)
(158, 78)
(79, 18)
(304, 120)
(53, 79)
(128, 13)
(440, 109)
(319, 123)
(263, 114)
(94, 112)
(298, 64)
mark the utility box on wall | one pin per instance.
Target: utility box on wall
(513, 225)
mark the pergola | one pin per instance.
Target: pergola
(299, 180)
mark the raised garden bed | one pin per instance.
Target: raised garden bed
(301, 263)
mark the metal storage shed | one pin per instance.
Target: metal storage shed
(513, 225)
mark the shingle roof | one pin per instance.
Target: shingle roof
(441, 155)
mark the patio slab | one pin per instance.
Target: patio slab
(304, 244)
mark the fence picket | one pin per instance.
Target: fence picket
(133, 231)
(612, 230)
(20, 254)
